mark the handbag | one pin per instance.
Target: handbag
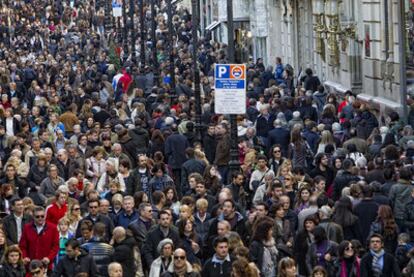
(256, 184)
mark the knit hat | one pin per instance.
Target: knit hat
(336, 127)
(163, 243)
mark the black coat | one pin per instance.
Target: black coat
(36, 176)
(124, 254)
(341, 181)
(175, 146)
(209, 143)
(70, 267)
(212, 269)
(7, 270)
(139, 231)
(256, 252)
(239, 227)
(10, 227)
(263, 125)
(390, 268)
(19, 184)
(100, 218)
(279, 136)
(149, 250)
(188, 167)
(367, 211)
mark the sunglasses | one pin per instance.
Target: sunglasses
(288, 179)
(39, 216)
(76, 209)
(179, 257)
(35, 272)
(276, 151)
(349, 248)
(93, 207)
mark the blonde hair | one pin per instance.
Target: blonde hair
(201, 204)
(200, 155)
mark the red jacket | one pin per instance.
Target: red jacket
(39, 246)
(54, 213)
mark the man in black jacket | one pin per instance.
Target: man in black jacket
(94, 217)
(13, 223)
(141, 226)
(366, 210)
(162, 231)
(209, 143)
(220, 263)
(343, 179)
(76, 261)
(236, 220)
(377, 262)
(190, 166)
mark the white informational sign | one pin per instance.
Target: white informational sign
(117, 8)
(230, 89)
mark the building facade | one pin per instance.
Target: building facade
(351, 45)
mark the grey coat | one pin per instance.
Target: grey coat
(400, 196)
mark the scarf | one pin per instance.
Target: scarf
(355, 269)
(377, 262)
(269, 257)
(180, 271)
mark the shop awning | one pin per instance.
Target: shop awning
(213, 25)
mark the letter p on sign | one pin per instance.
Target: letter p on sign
(221, 71)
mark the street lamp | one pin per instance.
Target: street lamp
(171, 45)
(142, 30)
(133, 35)
(154, 42)
(196, 71)
(124, 33)
(234, 164)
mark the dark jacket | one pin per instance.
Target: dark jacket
(263, 125)
(7, 270)
(175, 146)
(239, 227)
(19, 184)
(70, 267)
(124, 254)
(256, 251)
(101, 253)
(123, 219)
(202, 227)
(280, 136)
(209, 143)
(222, 156)
(10, 227)
(390, 268)
(334, 231)
(409, 218)
(36, 176)
(300, 249)
(100, 218)
(355, 268)
(367, 211)
(188, 167)
(341, 181)
(212, 268)
(139, 231)
(149, 250)
(312, 258)
(400, 195)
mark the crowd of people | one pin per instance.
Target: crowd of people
(105, 171)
